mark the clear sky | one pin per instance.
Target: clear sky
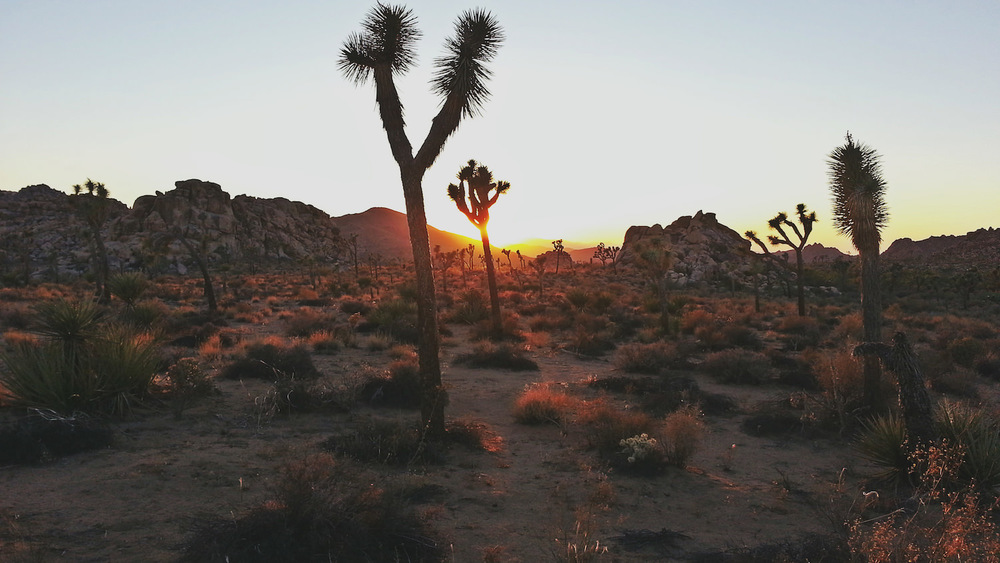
(603, 114)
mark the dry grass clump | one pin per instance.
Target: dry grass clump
(608, 425)
(799, 333)
(737, 366)
(649, 358)
(398, 386)
(323, 510)
(543, 404)
(266, 358)
(683, 430)
(305, 322)
(385, 442)
(504, 355)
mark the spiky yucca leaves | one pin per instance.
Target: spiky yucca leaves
(461, 73)
(978, 434)
(860, 212)
(389, 35)
(128, 287)
(882, 442)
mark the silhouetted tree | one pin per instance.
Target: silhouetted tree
(778, 223)
(557, 245)
(474, 195)
(656, 261)
(351, 243)
(538, 265)
(93, 208)
(506, 253)
(197, 247)
(859, 211)
(606, 253)
(383, 49)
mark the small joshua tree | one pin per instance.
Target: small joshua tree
(778, 223)
(606, 253)
(474, 195)
(557, 245)
(93, 207)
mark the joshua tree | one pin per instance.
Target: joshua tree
(656, 261)
(93, 207)
(197, 247)
(539, 266)
(506, 253)
(859, 211)
(383, 49)
(557, 245)
(476, 184)
(608, 253)
(778, 223)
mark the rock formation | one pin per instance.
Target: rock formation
(978, 248)
(703, 248)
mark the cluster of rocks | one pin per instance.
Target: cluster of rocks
(979, 248)
(42, 232)
(703, 249)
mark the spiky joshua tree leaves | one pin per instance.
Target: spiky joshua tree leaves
(779, 223)
(384, 48)
(474, 195)
(860, 212)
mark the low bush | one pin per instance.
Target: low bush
(187, 381)
(266, 359)
(322, 510)
(799, 333)
(307, 321)
(649, 358)
(607, 426)
(385, 442)
(396, 318)
(504, 355)
(737, 366)
(682, 429)
(40, 438)
(399, 386)
(541, 404)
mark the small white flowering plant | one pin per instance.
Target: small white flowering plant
(639, 448)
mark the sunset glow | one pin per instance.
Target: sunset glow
(602, 116)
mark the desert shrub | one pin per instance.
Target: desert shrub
(882, 442)
(83, 363)
(642, 453)
(989, 367)
(966, 351)
(399, 386)
(187, 381)
(322, 510)
(43, 437)
(307, 321)
(645, 358)
(541, 404)
(265, 359)
(737, 366)
(682, 429)
(325, 342)
(977, 433)
(607, 426)
(799, 333)
(385, 442)
(695, 319)
(471, 308)
(396, 317)
(503, 355)
(145, 315)
(350, 306)
(577, 298)
(938, 525)
(848, 329)
(128, 287)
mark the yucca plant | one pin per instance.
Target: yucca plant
(883, 442)
(128, 287)
(978, 434)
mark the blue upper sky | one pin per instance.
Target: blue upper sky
(603, 114)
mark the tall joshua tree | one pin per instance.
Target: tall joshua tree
(859, 211)
(778, 223)
(93, 207)
(383, 49)
(475, 183)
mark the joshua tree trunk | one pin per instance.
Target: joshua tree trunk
(799, 275)
(432, 404)
(871, 318)
(914, 402)
(209, 291)
(494, 294)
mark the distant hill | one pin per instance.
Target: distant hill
(384, 231)
(815, 252)
(976, 248)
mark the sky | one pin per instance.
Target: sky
(603, 114)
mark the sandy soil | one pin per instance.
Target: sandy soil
(136, 500)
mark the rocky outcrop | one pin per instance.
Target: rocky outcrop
(42, 234)
(703, 248)
(977, 248)
(815, 253)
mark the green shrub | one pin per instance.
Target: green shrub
(978, 434)
(128, 287)
(882, 442)
(396, 317)
(737, 366)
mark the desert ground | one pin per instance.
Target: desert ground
(762, 466)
